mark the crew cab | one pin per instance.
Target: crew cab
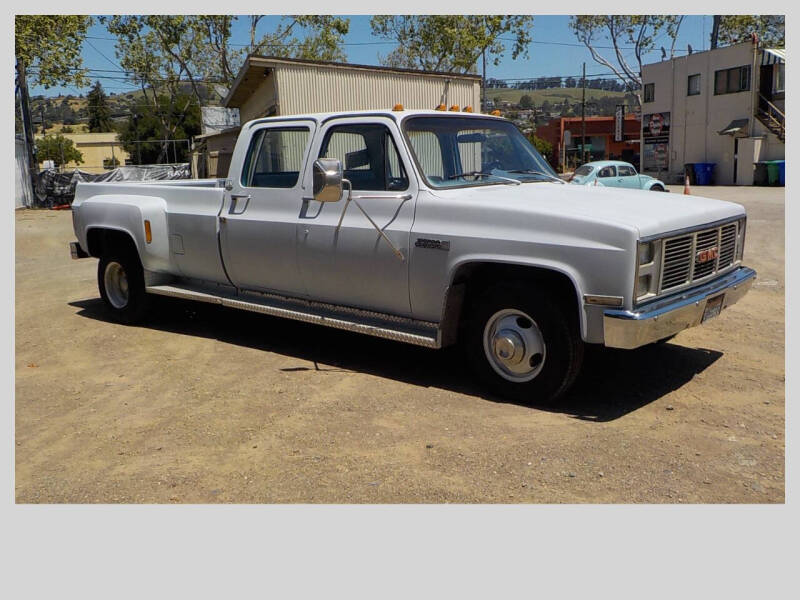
(427, 227)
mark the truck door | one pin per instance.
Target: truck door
(352, 264)
(259, 216)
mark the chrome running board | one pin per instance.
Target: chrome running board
(391, 327)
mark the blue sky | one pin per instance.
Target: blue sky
(554, 50)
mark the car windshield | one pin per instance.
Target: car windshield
(461, 151)
(583, 170)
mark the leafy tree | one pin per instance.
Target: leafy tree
(451, 43)
(638, 31)
(67, 129)
(99, 111)
(769, 28)
(544, 147)
(525, 101)
(145, 123)
(59, 149)
(48, 47)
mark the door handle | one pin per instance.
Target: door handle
(235, 202)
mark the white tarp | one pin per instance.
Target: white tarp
(23, 194)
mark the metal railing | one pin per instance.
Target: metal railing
(772, 114)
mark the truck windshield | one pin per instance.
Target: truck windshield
(460, 151)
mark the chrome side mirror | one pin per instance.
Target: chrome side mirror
(327, 180)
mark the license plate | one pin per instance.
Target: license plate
(713, 308)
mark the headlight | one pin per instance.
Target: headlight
(648, 263)
(740, 241)
(645, 253)
(643, 285)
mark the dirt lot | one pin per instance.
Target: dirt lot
(205, 404)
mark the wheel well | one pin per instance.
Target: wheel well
(471, 279)
(101, 241)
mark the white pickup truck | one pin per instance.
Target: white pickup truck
(427, 227)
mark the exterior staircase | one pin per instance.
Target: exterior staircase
(771, 117)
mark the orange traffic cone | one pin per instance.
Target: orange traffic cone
(686, 186)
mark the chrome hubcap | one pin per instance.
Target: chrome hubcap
(514, 345)
(116, 283)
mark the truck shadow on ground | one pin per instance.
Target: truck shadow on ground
(612, 383)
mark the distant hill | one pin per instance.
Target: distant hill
(72, 110)
(553, 95)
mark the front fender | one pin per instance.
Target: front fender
(128, 214)
(525, 261)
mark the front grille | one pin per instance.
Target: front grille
(697, 255)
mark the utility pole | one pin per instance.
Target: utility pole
(27, 125)
(483, 83)
(715, 31)
(583, 117)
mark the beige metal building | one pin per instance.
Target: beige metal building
(723, 106)
(268, 86)
(99, 150)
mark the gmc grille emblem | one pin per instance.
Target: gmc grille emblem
(703, 256)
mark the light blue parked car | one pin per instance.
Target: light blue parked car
(615, 173)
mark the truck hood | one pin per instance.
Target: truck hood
(649, 213)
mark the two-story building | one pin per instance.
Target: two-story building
(723, 106)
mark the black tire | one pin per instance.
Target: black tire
(127, 310)
(562, 352)
(656, 188)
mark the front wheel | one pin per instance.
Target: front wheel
(523, 345)
(657, 188)
(120, 279)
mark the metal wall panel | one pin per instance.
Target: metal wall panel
(309, 89)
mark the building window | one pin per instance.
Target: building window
(780, 77)
(649, 92)
(730, 81)
(693, 87)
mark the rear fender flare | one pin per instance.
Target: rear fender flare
(128, 214)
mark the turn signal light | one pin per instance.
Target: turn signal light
(148, 235)
(398, 107)
(441, 107)
(454, 108)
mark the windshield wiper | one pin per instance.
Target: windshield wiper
(535, 172)
(482, 174)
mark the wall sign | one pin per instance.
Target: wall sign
(619, 121)
(655, 134)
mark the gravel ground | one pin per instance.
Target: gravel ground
(205, 405)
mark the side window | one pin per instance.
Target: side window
(609, 171)
(275, 157)
(625, 171)
(368, 155)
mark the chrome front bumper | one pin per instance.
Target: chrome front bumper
(668, 316)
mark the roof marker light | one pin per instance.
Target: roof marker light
(495, 113)
(454, 108)
(398, 107)
(467, 109)
(441, 107)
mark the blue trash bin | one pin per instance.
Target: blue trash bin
(781, 172)
(704, 173)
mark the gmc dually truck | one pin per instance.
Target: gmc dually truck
(428, 227)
